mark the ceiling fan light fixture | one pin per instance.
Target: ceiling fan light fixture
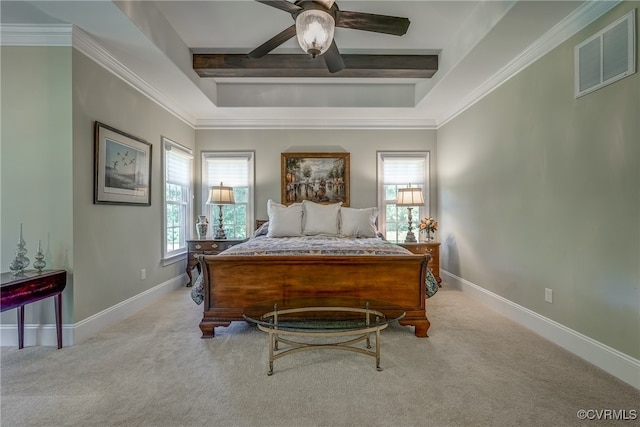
(326, 3)
(314, 30)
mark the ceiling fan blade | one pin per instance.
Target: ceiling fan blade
(273, 42)
(369, 22)
(282, 5)
(333, 59)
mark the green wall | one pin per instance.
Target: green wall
(36, 164)
(540, 190)
(51, 97)
(113, 243)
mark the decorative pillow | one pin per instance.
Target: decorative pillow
(284, 221)
(358, 222)
(197, 291)
(262, 230)
(321, 219)
(271, 203)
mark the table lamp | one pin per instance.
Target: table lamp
(220, 195)
(410, 197)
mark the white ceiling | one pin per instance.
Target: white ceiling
(149, 43)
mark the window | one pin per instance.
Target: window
(233, 169)
(399, 170)
(177, 198)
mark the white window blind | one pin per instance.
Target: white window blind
(231, 171)
(178, 167)
(403, 170)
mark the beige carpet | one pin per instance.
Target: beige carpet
(152, 369)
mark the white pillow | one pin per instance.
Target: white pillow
(321, 219)
(284, 221)
(358, 222)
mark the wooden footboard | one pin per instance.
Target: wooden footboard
(235, 282)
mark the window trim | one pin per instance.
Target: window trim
(423, 210)
(175, 256)
(250, 155)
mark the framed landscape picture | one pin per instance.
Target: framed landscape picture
(317, 177)
(122, 166)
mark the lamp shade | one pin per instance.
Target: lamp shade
(221, 195)
(314, 29)
(411, 196)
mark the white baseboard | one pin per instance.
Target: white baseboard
(35, 334)
(45, 335)
(616, 363)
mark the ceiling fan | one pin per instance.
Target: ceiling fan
(315, 22)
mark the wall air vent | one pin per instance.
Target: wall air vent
(607, 56)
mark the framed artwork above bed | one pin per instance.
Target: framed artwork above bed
(317, 177)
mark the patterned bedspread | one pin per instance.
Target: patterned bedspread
(314, 245)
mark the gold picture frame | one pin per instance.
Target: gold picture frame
(317, 177)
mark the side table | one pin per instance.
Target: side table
(205, 247)
(431, 248)
(32, 286)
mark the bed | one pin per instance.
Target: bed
(309, 249)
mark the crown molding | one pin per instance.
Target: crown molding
(68, 35)
(309, 123)
(561, 32)
(36, 35)
(90, 48)
(71, 36)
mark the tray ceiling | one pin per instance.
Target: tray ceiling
(152, 44)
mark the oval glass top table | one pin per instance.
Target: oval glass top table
(287, 321)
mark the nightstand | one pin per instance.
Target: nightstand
(431, 248)
(205, 247)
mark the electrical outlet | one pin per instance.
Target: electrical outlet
(143, 274)
(548, 295)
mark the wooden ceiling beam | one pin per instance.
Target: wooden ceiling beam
(278, 65)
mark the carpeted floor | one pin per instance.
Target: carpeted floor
(152, 369)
